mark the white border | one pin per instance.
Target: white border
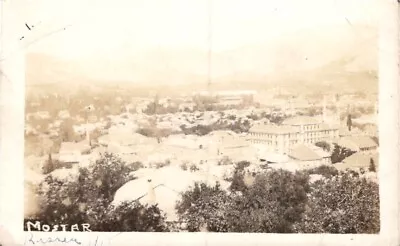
(11, 161)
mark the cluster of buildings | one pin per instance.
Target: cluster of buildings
(292, 140)
(289, 144)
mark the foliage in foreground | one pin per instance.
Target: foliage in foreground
(283, 202)
(343, 204)
(88, 199)
(271, 204)
(275, 201)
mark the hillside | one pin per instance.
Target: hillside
(343, 57)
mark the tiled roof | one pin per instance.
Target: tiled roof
(303, 152)
(301, 120)
(358, 141)
(359, 159)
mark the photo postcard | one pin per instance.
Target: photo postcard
(200, 122)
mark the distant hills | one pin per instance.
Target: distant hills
(344, 57)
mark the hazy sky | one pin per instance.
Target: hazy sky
(168, 40)
(120, 27)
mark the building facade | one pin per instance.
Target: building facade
(296, 130)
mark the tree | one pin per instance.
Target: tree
(204, 206)
(340, 153)
(272, 203)
(133, 216)
(324, 145)
(67, 132)
(372, 167)
(342, 204)
(349, 122)
(238, 183)
(48, 167)
(87, 197)
(241, 165)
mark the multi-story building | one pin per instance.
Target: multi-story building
(300, 129)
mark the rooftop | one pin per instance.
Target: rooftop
(301, 120)
(359, 141)
(273, 129)
(359, 160)
(303, 152)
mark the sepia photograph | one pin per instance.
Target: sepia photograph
(204, 116)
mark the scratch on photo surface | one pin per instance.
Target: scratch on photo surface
(38, 39)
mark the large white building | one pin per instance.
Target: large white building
(301, 129)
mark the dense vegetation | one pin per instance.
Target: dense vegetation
(88, 199)
(283, 202)
(272, 201)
